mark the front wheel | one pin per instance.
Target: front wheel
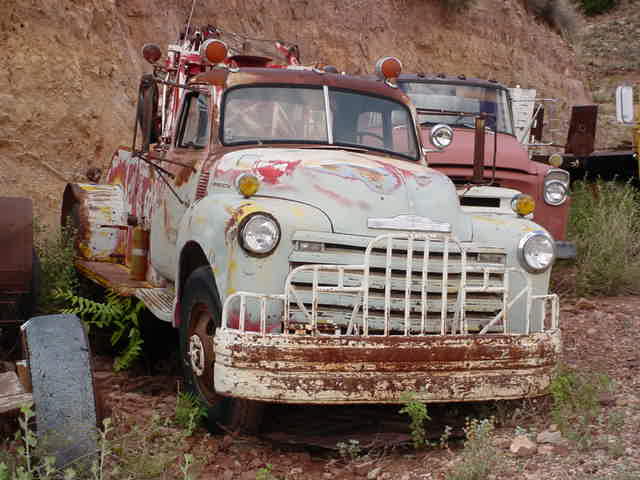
(201, 316)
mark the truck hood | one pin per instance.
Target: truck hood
(510, 153)
(349, 187)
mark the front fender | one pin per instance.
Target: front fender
(213, 224)
(98, 212)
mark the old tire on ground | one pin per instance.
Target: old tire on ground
(201, 316)
(63, 389)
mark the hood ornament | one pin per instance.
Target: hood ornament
(409, 222)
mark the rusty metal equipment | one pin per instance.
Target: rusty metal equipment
(19, 267)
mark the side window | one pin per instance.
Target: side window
(370, 130)
(194, 122)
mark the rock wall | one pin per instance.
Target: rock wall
(69, 68)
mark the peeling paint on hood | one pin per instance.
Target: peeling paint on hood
(349, 187)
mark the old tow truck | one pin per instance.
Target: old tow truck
(286, 222)
(456, 101)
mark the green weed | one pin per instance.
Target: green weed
(418, 414)
(120, 314)
(576, 403)
(595, 7)
(56, 254)
(479, 457)
(349, 450)
(190, 413)
(605, 225)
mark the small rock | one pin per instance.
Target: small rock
(553, 427)
(584, 304)
(227, 475)
(327, 475)
(373, 474)
(546, 436)
(561, 450)
(546, 450)
(592, 332)
(295, 471)
(607, 399)
(522, 446)
(502, 443)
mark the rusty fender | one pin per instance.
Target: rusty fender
(341, 370)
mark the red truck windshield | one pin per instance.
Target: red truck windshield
(456, 98)
(291, 114)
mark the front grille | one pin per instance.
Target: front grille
(391, 293)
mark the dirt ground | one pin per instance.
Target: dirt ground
(599, 335)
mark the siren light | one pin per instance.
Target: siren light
(151, 53)
(388, 68)
(214, 51)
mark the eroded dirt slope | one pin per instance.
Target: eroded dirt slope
(69, 68)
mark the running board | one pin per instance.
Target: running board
(158, 300)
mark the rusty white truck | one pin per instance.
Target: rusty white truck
(456, 101)
(284, 218)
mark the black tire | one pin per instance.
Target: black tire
(63, 387)
(201, 316)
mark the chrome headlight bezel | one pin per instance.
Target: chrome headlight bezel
(523, 255)
(441, 136)
(556, 177)
(252, 222)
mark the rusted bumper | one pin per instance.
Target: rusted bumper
(342, 370)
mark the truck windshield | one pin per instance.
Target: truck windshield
(291, 114)
(462, 102)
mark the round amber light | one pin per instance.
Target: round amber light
(388, 67)
(523, 204)
(215, 51)
(248, 184)
(555, 160)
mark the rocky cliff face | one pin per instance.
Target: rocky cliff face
(70, 68)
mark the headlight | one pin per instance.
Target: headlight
(536, 251)
(556, 186)
(441, 136)
(260, 234)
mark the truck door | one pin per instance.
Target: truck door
(184, 160)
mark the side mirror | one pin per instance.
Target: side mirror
(624, 104)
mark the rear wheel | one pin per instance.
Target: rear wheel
(201, 316)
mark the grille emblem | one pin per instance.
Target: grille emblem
(409, 222)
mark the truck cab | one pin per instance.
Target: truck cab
(456, 101)
(290, 228)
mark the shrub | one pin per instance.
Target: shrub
(417, 412)
(56, 253)
(560, 15)
(479, 457)
(605, 224)
(595, 7)
(120, 314)
(190, 413)
(576, 402)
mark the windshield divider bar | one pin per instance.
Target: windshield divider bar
(325, 89)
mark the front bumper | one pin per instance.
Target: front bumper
(565, 250)
(342, 370)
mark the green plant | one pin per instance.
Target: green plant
(266, 473)
(576, 402)
(349, 450)
(607, 264)
(190, 412)
(595, 7)
(27, 465)
(417, 412)
(57, 270)
(560, 15)
(122, 315)
(479, 456)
